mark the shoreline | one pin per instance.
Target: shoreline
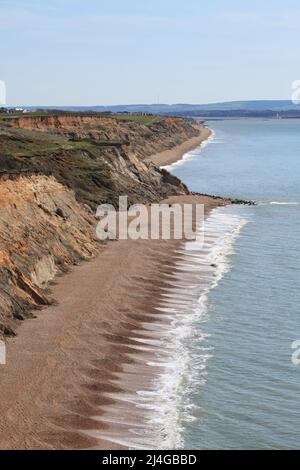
(168, 157)
(65, 367)
(153, 404)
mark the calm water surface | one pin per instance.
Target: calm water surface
(246, 394)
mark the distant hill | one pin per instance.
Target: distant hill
(258, 108)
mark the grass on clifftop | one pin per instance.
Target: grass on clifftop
(78, 165)
(140, 119)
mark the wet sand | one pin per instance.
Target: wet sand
(173, 155)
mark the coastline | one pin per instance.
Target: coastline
(168, 157)
(66, 367)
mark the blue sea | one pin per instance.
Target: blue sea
(235, 385)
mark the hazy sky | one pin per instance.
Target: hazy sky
(85, 52)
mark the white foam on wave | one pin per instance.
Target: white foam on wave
(279, 203)
(164, 407)
(168, 400)
(192, 154)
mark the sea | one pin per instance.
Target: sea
(233, 378)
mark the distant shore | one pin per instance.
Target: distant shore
(168, 157)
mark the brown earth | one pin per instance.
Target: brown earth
(63, 363)
(43, 231)
(143, 140)
(54, 171)
(99, 158)
(53, 174)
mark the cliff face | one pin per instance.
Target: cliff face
(143, 139)
(54, 172)
(99, 158)
(43, 231)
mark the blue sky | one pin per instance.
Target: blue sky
(88, 52)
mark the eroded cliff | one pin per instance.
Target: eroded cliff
(54, 171)
(99, 158)
(43, 231)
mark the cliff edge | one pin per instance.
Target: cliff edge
(54, 172)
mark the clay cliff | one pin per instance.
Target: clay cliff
(54, 171)
(43, 231)
(99, 158)
(145, 136)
